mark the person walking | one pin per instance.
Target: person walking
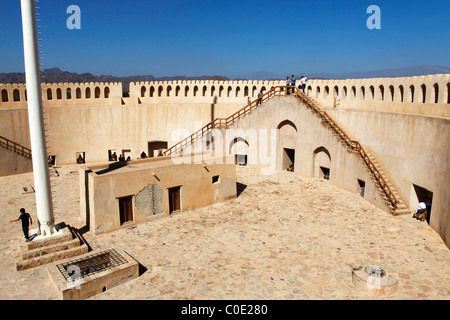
(26, 221)
(260, 94)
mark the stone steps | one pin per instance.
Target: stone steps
(401, 206)
(66, 244)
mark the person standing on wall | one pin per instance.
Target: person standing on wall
(288, 83)
(303, 80)
(26, 221)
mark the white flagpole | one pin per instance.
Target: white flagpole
(41, 174)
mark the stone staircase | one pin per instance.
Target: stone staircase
(384, 185)
(401, 207)
(65, 244)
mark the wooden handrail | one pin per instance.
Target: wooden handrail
(376, 173)
(15, 147)
(354, 145)
(223, 122)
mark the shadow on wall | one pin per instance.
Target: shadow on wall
(112, 167)
(240, 187)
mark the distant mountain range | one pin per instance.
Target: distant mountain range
(55, 75)
(385, 73)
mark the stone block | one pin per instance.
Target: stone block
(87, 282)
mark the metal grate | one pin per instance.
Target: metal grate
(375, 271)
(90, 265)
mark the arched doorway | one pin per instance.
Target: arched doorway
(321, 163)
(239, 147)
(287, 133)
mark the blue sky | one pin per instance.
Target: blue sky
(231, 38)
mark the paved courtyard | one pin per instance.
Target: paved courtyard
(284, 237)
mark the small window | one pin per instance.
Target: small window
(215, 179)
(16, 95)
(325, 173)
(4, 95)
(112, 155)
(81, 157)
(362, 187)
(126, 155)
(51, 160)
(240, 159)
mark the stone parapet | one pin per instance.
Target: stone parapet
(13, 96)
(397, 94)
(425, 95)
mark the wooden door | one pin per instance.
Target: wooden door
(175, 199)
(126, 209)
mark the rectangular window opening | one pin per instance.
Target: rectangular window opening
(362, 187)
(81, 157)
(240, 159)
(112, 155)
(51, 160)
(325, 173)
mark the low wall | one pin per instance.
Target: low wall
(102, 186)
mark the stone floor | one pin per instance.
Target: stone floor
(285, 237)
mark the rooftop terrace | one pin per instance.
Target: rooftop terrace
(283, 237)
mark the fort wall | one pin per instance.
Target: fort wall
(426, 95)
(422, 95)
(96, 117)
(404, 121)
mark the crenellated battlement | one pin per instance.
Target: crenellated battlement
(420, 89)
(201, 88)
(57, 94)
(382, 93)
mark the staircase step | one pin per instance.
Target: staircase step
(53, 248)
(402, 211)
(39, 252)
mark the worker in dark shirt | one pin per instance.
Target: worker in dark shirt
(26, 221)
